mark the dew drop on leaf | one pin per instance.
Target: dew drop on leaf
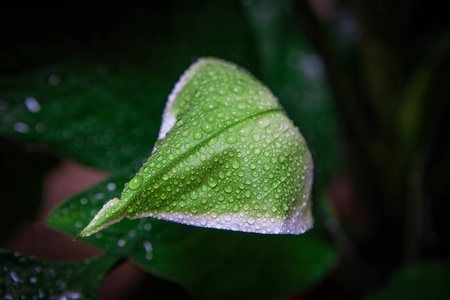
(207, 127)
(198, 135)
(135, 182)
(212, 182)
(193, 195)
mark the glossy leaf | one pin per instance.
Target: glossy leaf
(23, 277)
(36, 107)
(227, 157)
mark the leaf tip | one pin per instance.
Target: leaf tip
(110, 213)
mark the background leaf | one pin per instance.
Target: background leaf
(422, 280)
(214, 264)
(25, 277)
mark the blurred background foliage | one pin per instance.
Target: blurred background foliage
(367, 83)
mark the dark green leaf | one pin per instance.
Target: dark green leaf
(25, 277)
(214, 264)
(424, 280)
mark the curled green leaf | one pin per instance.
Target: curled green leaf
(227, 157)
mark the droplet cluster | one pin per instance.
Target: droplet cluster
(30, 278)
(232, 159)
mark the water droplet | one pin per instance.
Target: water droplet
(191, 157)
(207, 127)
(263, 122)
(68, 295)
(99, 196)
(251, 221)
(228, 189)
(256, 137)
(121, 243)
(111, 186)
(32, 104)
(148, 246)
(231, 139)
(237, 90)
(21, 127)
(198, 135)
(135, 182)
(245, 130)
(212, 182)
(208, 107)
(236, 164)
(14, 277)
(193, 195)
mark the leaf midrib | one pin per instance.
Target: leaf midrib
(183, 155)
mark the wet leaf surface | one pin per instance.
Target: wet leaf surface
(227, 157)
(23, 277)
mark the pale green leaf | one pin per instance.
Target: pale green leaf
(227, 157)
